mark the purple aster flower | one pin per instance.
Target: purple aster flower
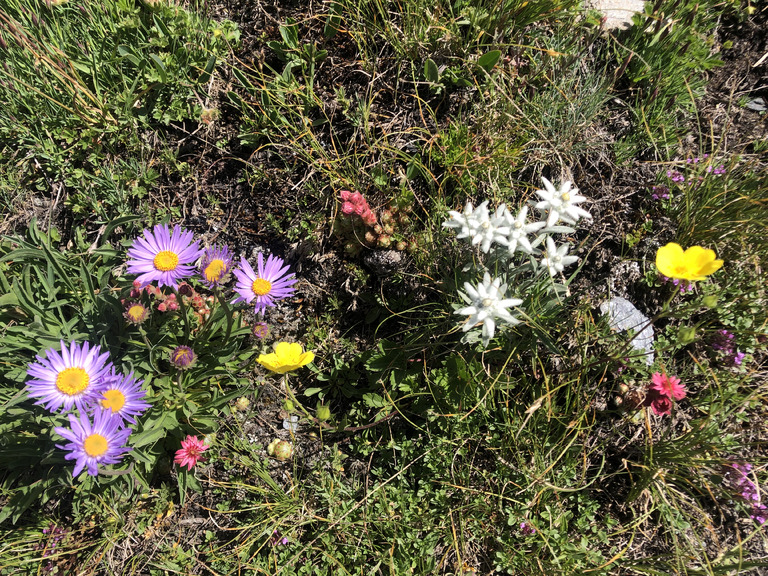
(102, 442)
(215, 265)
(72, 377)
(272, 282)
(123, 396)
(163, 256)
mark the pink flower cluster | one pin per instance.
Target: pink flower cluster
(737, 480)
(723, 343)
(661, 391)
(353, 203)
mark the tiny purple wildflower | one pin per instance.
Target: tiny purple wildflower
(527, 529)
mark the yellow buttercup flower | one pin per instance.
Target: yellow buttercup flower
(695, 263)
(287, 356)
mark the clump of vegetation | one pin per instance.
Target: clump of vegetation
(295, 302)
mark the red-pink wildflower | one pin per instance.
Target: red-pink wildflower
(659, 403)
(191, 452)
(668, 386)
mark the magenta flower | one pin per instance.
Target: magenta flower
(190, 453)
(271, 282)
(668, 386)
(659, 403)
(163, 256)
(215, 265)
(72, 377)
(102, 442)
(123, 397)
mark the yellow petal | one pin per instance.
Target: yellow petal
(668, 259)
(710, 267)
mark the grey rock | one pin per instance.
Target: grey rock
(623, 316)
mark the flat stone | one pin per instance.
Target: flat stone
(618, 13)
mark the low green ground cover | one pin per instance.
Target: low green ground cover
(397, 353)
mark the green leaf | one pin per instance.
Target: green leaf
(431, 72)
(160, 68)
(489, 60)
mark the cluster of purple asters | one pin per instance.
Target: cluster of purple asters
(79, 378)
(737, 479)
(724, 345)
(169, 256)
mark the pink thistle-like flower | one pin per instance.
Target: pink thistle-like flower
(190, 453)
(668, 386)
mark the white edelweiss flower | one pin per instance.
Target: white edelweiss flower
(479, 225)
(555, 258)
(561, 204)
(519, 230)
(487, 302)
(493, 229)
(469, 221)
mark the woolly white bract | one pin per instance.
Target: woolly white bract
(487, 302)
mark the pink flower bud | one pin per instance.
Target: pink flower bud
(345, 194)
(161, 307)
(137, 284)
(172, 305)
(369, 218)
(348, 208)
(357, 198)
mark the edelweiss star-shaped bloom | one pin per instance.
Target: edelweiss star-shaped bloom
(519, 230)
(487, 302)
(555, 258)
(479, 226)
(561, 204)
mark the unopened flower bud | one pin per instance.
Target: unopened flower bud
(401, 245)
(345, 194)
(378, 229)
(686, 334)
(323, 412)
(386, 217)
(348, 208)
(709, 301)
(280, 449)
(623, 388)
(384, 241)
(389, 229)
(185, 289)
(370, 237)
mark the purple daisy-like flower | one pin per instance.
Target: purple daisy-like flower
(215, 265)
(72, 377)
(123, 397)
(163, 256)
(272, 282)
(102, 442)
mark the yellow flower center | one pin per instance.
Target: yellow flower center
(214, 270)
(681, 270)
(136, 312)
(166, 261)
(72, 381)
(565, 196)
(95, 445)
(114, 400)
(261, 287)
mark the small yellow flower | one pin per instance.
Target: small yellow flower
(286, 357)
(695, 263)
